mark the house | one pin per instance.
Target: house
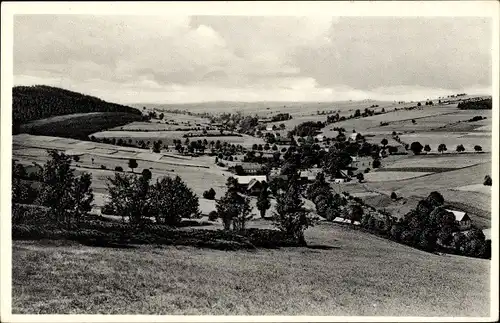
(254, 187)
(269, 128)
(341, 177)
(462, 219)
(320, 137)
(244, 181)
(487, 234)
(355, 136)
(345, 221)
(310, 174)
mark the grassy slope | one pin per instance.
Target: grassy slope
(359, 275)
(79, 125)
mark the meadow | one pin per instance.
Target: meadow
(343, 272)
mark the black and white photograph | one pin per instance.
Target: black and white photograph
(253, 161)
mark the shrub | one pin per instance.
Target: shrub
(487, 180)
(394, 196)
(103, 167)
(213, 216)
(209, 194)
(376, 163)
(367, 170)
(118, 169)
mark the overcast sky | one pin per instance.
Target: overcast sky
(131, 59)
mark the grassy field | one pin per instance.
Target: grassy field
(438, 160)
(78, 125)
(391, 176)
(348, 273)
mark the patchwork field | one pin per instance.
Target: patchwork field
(349, 273)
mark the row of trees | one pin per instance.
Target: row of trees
(417, 148)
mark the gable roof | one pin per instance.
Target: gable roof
(247, 179)
(459, 215)
(252, 183)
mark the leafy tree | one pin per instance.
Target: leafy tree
(263, 203)
(282, 126)
(290, 216)
(171, 200)
(128, 197)
(478, 148)
(416, 147)
(442, 148)
(376, 163)
(275, 148)
(76, 158)
(487, 180)
(146, 173)
(356, 213)
(132, 163)
(360, 177)
(384, 142)
(62, 189)
(427, 148)
(156, 146)
(233, 208)
(82, 196)
(460, 148)
(394, 196)
(118, 169)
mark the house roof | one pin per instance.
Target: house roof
(252, 183)
(342, 220)
(246, 179)
(459, 215)
(250, 166)
(487, 234)
(353, 135)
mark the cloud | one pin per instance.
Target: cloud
(174, 58)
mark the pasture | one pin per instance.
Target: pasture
(78, 125)
(438, 160)
(349, 272)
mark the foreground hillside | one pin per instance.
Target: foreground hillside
(31, 103)
(344, 272)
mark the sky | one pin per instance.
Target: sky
(176, 59)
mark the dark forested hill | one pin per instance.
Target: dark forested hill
(40, 101)
(47, 104)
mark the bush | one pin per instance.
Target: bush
(487, 180)
(118, 169)
(367, 170)
(394, 196)
(209, 194)
(213, 216)
(103, 167)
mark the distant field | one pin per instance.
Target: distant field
(355, 274)
(78, 125)
(384, 176)
(445, 161)
(269, 108)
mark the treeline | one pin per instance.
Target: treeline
(482, 104)
(41, 101)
